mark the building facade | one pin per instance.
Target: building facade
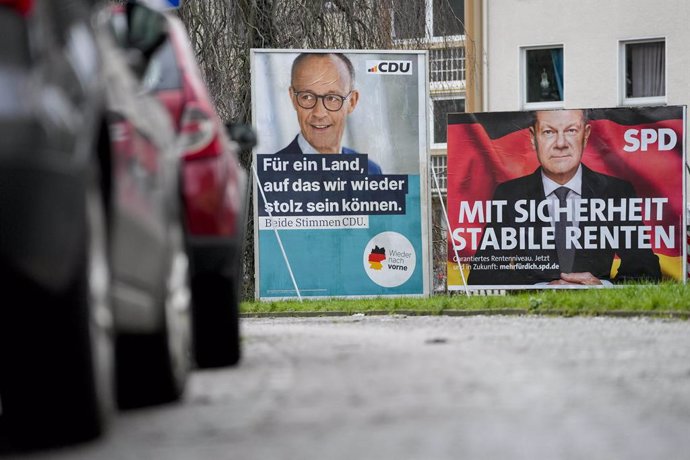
(579, 54)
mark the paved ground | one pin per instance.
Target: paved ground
(427, 388)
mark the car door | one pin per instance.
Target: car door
(145, 166)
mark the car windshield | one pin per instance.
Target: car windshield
(163, 72)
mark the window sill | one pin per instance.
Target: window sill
(543, 105)
(643, 101)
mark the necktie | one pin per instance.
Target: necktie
(565, 255)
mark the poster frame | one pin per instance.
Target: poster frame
(421, 163)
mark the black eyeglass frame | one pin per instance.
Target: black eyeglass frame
(323, 97)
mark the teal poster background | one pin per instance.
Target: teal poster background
(329, 262)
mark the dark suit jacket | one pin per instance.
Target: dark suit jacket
(294, 148)
(635, 263)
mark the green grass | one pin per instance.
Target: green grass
(660, 299)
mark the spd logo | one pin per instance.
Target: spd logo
(389, 67)
(641, 139)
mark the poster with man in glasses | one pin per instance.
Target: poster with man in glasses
(340, 200)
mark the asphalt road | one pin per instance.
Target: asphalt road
(427, 388)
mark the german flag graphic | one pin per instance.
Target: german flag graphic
(377, 256)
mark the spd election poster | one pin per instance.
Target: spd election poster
(340, 187)
(566, 197)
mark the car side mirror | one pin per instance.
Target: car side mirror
(243, 134)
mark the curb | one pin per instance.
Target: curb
(504, 312)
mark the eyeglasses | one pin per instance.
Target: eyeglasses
(332, 102)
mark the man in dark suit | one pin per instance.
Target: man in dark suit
(323, 95)
(559, 138)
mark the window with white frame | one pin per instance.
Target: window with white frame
(427, 19)
(447, 64)
(439, 168)
(542, 77)
(441, 109)
(448, 17)
(643, 72)
(409, 19)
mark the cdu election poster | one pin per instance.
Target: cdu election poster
(566, 198)
(340, 173)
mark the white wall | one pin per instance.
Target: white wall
(590, 31)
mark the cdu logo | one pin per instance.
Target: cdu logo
(389, 67)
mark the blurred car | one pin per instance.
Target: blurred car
(150, 290)
(214, 193)
(93, 268)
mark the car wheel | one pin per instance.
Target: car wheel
(153, 368)
(56, 369)
(216, 320)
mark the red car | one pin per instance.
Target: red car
(214, 195)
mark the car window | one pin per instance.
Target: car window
(118, 27)
(163, 72)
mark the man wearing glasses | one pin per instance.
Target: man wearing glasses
(323, 95)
